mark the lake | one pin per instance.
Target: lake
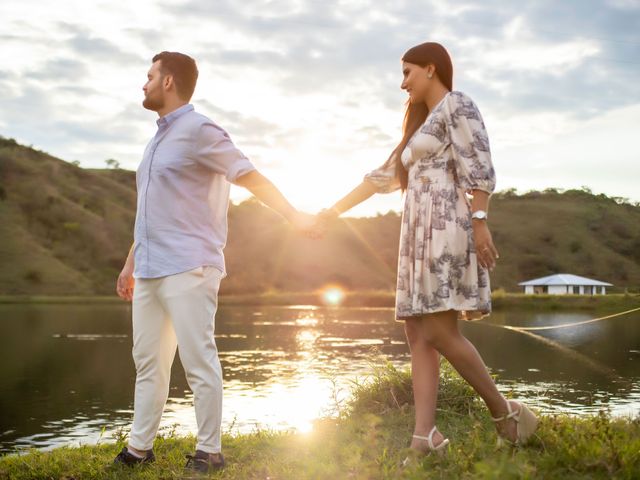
(67, 376)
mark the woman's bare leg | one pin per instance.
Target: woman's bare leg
(441, 331)
(425, 376)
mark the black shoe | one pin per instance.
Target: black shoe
(204, 462)
(126, 458)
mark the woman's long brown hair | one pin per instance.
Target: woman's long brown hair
(415, 114)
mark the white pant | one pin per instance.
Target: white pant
(177, 310)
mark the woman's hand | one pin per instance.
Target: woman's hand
(308, 224)
(328, 215)
(485, 250)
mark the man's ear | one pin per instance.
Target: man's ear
(167, 82)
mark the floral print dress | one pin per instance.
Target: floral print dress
(437, 265)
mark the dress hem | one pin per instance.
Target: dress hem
(463, 314)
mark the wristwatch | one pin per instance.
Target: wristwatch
(479, 215)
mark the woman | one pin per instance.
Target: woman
(446, 248)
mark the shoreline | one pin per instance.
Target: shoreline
(368, 440)
(375, 299)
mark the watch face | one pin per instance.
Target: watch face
(480, 215)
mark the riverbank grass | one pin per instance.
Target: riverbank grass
(368, 440)
(371, 299)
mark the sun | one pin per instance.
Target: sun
(333, 295)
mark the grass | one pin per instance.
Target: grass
(613, 301)
(368, 439)
(59, 299)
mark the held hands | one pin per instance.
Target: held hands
(307, 224)
(485, 250)
(125, 283)
(314, 226)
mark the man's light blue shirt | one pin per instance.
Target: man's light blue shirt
(183, 195)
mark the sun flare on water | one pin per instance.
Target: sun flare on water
(333, 295)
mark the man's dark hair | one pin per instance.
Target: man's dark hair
(183, 69)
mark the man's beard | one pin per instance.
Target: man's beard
(152, 104)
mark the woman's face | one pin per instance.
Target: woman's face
(416, 80)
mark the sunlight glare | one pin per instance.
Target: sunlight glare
(333, 295)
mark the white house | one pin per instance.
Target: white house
(565, 283)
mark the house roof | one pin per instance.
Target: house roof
(565, 279)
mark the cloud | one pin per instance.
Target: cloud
(248, 130)
(625, 4)
(590, 155)
(88, 46)
(507, 53)
(304, 84)
(60, 70)
(35, 117)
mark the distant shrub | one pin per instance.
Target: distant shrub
(548, 238)
(498, 293)
(594, 225)
(112, 163)
(621, 200)
(33, 276)
(621, 230)
(508, 193)
(8, 142)
(94, 203)
(575, 246)
(71, 226)
(533, 194)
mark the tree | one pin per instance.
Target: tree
(112, 163)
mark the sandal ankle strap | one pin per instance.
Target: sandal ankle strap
(429, 439)
(512, 414)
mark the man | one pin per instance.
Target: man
(177, 261)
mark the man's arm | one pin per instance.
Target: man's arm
(217, 152)
(265, 191)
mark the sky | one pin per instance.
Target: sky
(310, 89)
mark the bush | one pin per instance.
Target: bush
(71, 226)
(7, 142)
(33, 276)
(575, 246)
(391, 389)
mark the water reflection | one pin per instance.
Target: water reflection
(69, 371)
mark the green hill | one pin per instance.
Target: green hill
(66, 230)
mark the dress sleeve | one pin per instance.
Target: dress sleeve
(470, 145)
(216, 151)
(384, 178)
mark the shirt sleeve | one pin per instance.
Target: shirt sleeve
(216, 151)
(470, 145)
(384, 178)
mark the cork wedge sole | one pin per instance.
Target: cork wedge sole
(526, 424)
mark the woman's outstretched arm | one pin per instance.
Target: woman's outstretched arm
(356, 196)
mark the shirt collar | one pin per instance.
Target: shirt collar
(171, 117)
